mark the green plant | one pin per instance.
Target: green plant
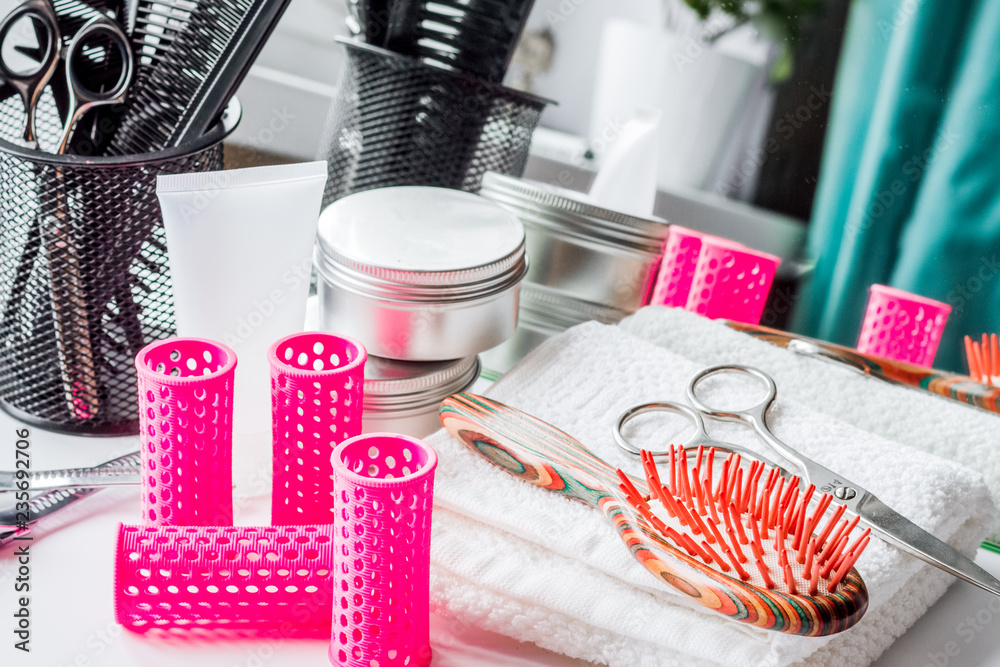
(782, 21)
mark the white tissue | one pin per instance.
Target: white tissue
(626, 181)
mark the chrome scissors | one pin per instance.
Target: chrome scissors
(98, 64)
(885, 522)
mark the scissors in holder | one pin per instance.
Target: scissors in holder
(97, 68)
(885, 522)
(98, 65)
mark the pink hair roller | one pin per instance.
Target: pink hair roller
(186, 432)
(317, 384)
(680, 256)
(384, 485)
(274, 579)
(731, 282)
(902, 326)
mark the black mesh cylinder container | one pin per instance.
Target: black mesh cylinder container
(397, 120)
(84, 279)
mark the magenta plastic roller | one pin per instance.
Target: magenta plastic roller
(246, 578)
(902, 326)
(317, 387)
(384, 484)
(186, 432)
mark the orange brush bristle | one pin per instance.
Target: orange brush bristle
(731, 529)
(995, 356)
(970, 359)
(983, 358)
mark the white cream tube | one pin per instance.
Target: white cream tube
(240, 244)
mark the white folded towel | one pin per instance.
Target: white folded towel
(525, 562)
(919, 418)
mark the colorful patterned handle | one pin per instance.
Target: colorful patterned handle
(537, 452)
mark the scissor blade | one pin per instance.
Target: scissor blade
(902, 533)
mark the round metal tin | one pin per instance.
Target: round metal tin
(584, 251)
(420, 273)
(404, 396)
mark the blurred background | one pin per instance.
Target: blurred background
(853, 138)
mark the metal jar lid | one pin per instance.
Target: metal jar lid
(420, 244)
(392, 385)
(567, 212)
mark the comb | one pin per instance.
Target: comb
(192, 56)
(709, 543)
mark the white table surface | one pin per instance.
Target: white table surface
(72, 618)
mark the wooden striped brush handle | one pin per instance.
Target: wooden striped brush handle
(541, 454)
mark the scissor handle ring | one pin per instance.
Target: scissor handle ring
(8, 23)
(657, 406)
(755, 410)
(120, 40)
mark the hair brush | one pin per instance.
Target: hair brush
(744, 545)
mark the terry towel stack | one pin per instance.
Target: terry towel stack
(522, 561)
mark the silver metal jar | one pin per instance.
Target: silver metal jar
(544, 313)
(420, 273)
(583, 251)
(404, 396)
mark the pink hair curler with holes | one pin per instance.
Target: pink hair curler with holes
(731, 282)
(384, 486)
(902, 326)
(186, 432)
(317, 384)
(275, 579)
(680, 258)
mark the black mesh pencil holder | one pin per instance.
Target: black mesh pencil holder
(399, 121)
(84, 279)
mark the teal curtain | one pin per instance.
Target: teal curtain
(909, 190)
